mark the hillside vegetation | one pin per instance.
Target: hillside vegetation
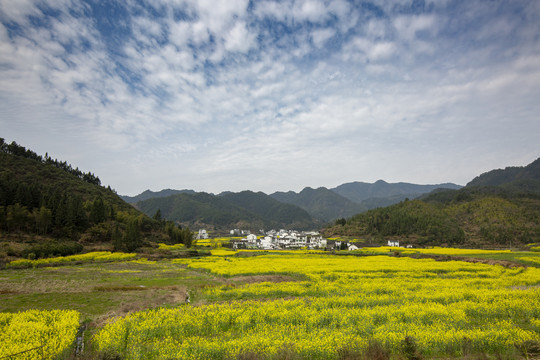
(321, 203)
(49, 208)
(228, 211)
(504, 214)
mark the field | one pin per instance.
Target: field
(283, 305)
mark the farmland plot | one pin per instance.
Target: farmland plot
(339, 305)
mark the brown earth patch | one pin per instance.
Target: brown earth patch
(151, 298)
(505, 263)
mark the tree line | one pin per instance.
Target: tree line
(15, 149)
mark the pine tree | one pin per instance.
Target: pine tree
(97, 212)
(43, 219)
(18, 217)
(157, 215)
(187, 237)
(117, 239)
(132, 236)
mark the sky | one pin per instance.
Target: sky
(232, 95)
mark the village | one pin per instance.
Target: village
(287, 239)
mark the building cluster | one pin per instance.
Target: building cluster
(289, 239)
(202, 234)
(282, 239)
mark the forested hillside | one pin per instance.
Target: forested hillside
(49, 208)
(245, 210)
(271, 210)
(321, 203)
(515, 175)
(505, 214)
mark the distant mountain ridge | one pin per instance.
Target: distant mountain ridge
(228, 211)
(148, 194)
(360, 191)
(321, 204)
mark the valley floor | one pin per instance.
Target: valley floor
(278, 305)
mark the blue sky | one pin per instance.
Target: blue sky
(272, 95)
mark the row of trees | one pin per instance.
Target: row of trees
(15, 149)
(176, 234)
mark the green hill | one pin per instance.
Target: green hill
(320, 203)
(49, 208)
(380, 192)
(509, 176)
(499, 208)
(228, 211)
(280, 214)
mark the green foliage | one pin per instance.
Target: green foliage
(157, 215)
(409, 348)
(97, 212)
(52, 248)
(132, 237)
(17, 218)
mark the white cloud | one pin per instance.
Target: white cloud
(408, 27)
(272, 9)
(239, 39)
(209, 97)
(373, 50)
(321, 36)
(18, 11)
(310, 10)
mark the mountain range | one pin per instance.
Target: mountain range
(242, 210)
(310, 208)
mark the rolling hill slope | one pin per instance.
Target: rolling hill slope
(361, 191)
(499, 208)
(320, 203)
(49, 208)
(232, 210)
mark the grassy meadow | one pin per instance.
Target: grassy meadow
(380, 304)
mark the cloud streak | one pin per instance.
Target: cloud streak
(269, 95)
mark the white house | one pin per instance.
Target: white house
(251, 238)
(202, 234)
(266, 242)
(352, 247)
(393, 243)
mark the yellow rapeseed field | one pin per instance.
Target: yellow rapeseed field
(35, 334)
(338, 302)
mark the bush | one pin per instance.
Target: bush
(49, 249)
(409, 349)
